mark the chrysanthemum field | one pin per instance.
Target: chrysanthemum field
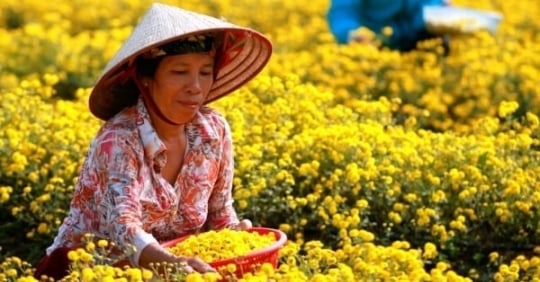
(379, 165)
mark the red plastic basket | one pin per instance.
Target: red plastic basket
(253, 260)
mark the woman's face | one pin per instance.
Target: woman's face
(181, 84)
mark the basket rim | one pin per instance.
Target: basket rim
(281, 239)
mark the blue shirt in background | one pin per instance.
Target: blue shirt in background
(403, 16)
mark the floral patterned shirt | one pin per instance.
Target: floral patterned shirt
(121, 195)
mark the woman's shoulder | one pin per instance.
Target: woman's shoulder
(122, 126)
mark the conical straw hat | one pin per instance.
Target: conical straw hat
(242, 55)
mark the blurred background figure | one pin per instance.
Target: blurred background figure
(400, 24)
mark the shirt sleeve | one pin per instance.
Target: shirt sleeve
(343, 17)
(117, 164)
(409, 26)
(221, 212)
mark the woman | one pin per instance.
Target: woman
(404, 17)
(161, 166)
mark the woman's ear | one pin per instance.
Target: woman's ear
(144, 81)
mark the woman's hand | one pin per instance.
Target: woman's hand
(195, 264)
(244, 224)
(155, 253)
(359, 38)
(362, 35)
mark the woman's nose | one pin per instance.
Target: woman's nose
(194, 84)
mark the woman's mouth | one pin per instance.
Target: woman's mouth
(189, 104)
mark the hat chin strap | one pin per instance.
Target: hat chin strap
(152, 104)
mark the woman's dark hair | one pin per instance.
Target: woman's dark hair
(146, 67)
(126, 94)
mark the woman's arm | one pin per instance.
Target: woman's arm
(120, 207)
(156, 253)
(343, 17)
(117, 166)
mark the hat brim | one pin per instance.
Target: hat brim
(242, 55)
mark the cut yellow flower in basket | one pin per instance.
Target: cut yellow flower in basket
(232, 251)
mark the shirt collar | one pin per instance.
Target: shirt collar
(153, 146)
